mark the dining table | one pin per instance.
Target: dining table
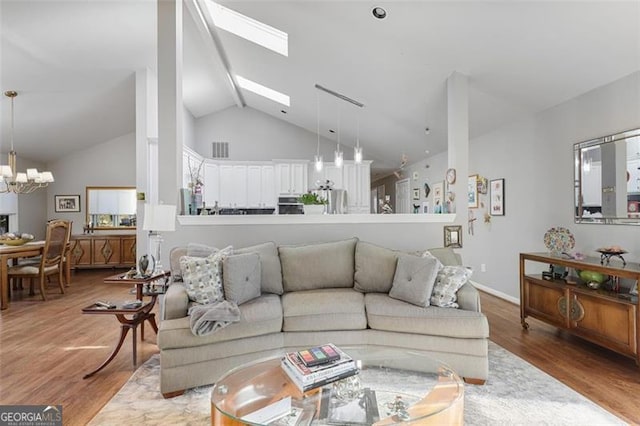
(8, 254)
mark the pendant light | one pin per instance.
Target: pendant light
(357, 150)
(318, 158)
(338, 157)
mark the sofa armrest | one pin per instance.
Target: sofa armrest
(469, 298)
(175, 302)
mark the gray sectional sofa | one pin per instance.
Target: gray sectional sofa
(334, 292)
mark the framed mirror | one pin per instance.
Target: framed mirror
(607, 179)
(111, 207)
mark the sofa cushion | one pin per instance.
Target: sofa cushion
(446, 255)
(271, 281)
(450, 279)
(323, 309)
(322, 265)
(259, 316)
(388, 314)
(241, 277)
(202, 276)
(414, 279)
(375, 268)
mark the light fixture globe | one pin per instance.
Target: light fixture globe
(10, 179)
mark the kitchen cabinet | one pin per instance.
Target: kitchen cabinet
(211, 189)
(261, 188)
(291, 177)
(103, 251)
(357, 182)
(607, 318)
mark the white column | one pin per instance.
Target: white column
(170, 105)
(458, 140)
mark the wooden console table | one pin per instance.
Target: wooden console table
(607, 318)
(103, 251)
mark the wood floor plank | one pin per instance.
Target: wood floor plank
(46, 348)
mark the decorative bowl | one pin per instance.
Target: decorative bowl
(16, 242)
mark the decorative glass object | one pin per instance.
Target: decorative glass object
(146, 265)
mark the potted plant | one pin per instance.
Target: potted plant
(313, 203)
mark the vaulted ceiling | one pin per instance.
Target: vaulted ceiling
(73, 61)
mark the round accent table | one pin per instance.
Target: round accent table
(394, 386)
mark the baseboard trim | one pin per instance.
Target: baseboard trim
(494, 292)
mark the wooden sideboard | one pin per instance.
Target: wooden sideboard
(103, 251)
(607, 318)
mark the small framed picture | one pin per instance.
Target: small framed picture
(416, 193)
(472, 191)
(496, 197)
(438, 197)
(453, 236)
(67, 203)
(425, 207)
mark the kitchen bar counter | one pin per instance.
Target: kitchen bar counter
(301, 219)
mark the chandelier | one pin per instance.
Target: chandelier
(20, 183)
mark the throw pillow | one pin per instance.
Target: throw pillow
(414, 279)
(450, 279)
(241, 277)
(430, 256)
(271, 281)
(202, 276)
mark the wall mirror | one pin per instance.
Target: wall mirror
(111, 207)
(607, 179)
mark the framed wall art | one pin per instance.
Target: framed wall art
(453, 236)
(438, 197)
(67, 203)
(496, 197)
(416, 193)
(472, 191)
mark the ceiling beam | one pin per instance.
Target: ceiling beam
(214, 45)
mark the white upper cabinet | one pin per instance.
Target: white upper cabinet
(211, 187)
(291, 178)
(261, 187)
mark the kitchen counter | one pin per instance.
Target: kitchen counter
(301, 219)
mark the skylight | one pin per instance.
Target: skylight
(249, 29)
(261, 90)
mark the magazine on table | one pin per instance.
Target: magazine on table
(319, 370)
(329, 371)
(362, 410)
(304, 387)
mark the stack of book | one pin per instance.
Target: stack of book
(315, 367)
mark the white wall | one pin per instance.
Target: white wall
(535, 156)
(111, 163)
(32, 216)
(189, 130)
(254, 135)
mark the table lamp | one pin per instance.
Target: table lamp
(159, 218)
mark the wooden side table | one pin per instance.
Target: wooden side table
(138, 316)
(139, 282)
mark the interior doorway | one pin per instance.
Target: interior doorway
(403, 201)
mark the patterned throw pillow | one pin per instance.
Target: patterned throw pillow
(449, 280)
(428, 255)
(202, 276)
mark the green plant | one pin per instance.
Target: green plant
(311, 198)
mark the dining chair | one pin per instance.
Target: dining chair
(51, 261)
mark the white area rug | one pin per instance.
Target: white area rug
(516, 393)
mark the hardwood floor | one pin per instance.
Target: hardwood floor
(46, 348)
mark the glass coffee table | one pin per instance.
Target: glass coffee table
(394, 386)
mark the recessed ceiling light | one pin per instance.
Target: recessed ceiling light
(331, 131)
(283, 111)
(379, 12)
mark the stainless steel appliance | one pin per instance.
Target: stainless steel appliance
(290, 205)
(337, 201)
